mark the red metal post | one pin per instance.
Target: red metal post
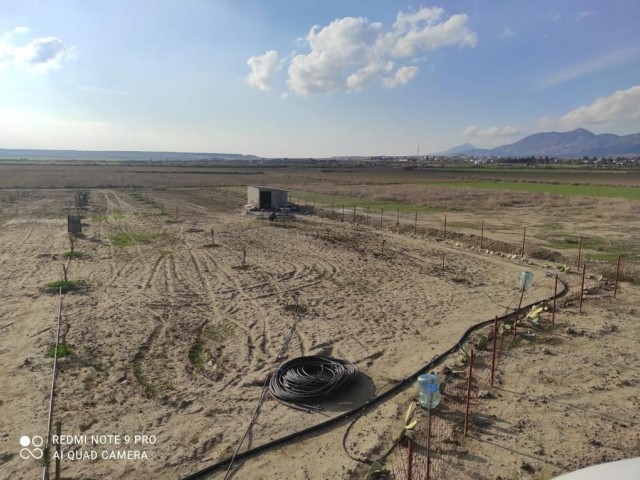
(468, 405)
(555, 294)
(410, 461)
(515, 322)
(445, 228)
(481, 233)
(579, 252)
(429, 447)
(524, 237)
(493, 356)
(584, 268)
(615, 289)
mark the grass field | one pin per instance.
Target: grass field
(631, 193)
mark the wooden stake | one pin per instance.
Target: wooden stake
(444, 234)
(415, 225)
(524, 237)
(354, 214)
(615, 288)
(584, 269)
(481, 233)
(397, 220)
(555, 294)
(381, 213)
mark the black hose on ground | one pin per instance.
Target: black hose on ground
(305, 379)
(372, 401)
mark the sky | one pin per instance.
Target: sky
(306, 78)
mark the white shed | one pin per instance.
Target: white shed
(267, 198)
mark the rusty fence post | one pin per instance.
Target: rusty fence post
(467, 410)
(481, 233)
(579, 252)
(381, 214)
(410, 460)
(397, 220)
(415, 225)
(429, 447)
(524, 238)
(493, 355)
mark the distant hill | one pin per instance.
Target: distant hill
(465, 147)
(116, 155)
(577, 143)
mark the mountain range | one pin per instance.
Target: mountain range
(577, 143)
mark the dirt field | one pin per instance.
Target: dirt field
(173, 338)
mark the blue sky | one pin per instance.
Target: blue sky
(313, 78)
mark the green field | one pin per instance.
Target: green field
(630, 193)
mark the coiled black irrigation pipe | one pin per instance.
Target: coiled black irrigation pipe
(372, 401)
(304, 379)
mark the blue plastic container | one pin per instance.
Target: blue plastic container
(526, 280)
(429, 394)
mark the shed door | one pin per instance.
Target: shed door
(265, 200)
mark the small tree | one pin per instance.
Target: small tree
(72, 242)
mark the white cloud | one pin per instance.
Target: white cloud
(619, 111)
(402, 76)
(264, 69)
(40, 54)
(492, 132)
(584, 14)
(507, 32)
(603, 62)
(18, 31)
(422, 32)
(351, 53)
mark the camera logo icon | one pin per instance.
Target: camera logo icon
(35, 442)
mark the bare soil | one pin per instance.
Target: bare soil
(174, 338)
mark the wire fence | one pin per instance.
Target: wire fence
(438, 447)
(436, 450)
(516, 242)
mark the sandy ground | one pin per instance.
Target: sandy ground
(149, 307)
